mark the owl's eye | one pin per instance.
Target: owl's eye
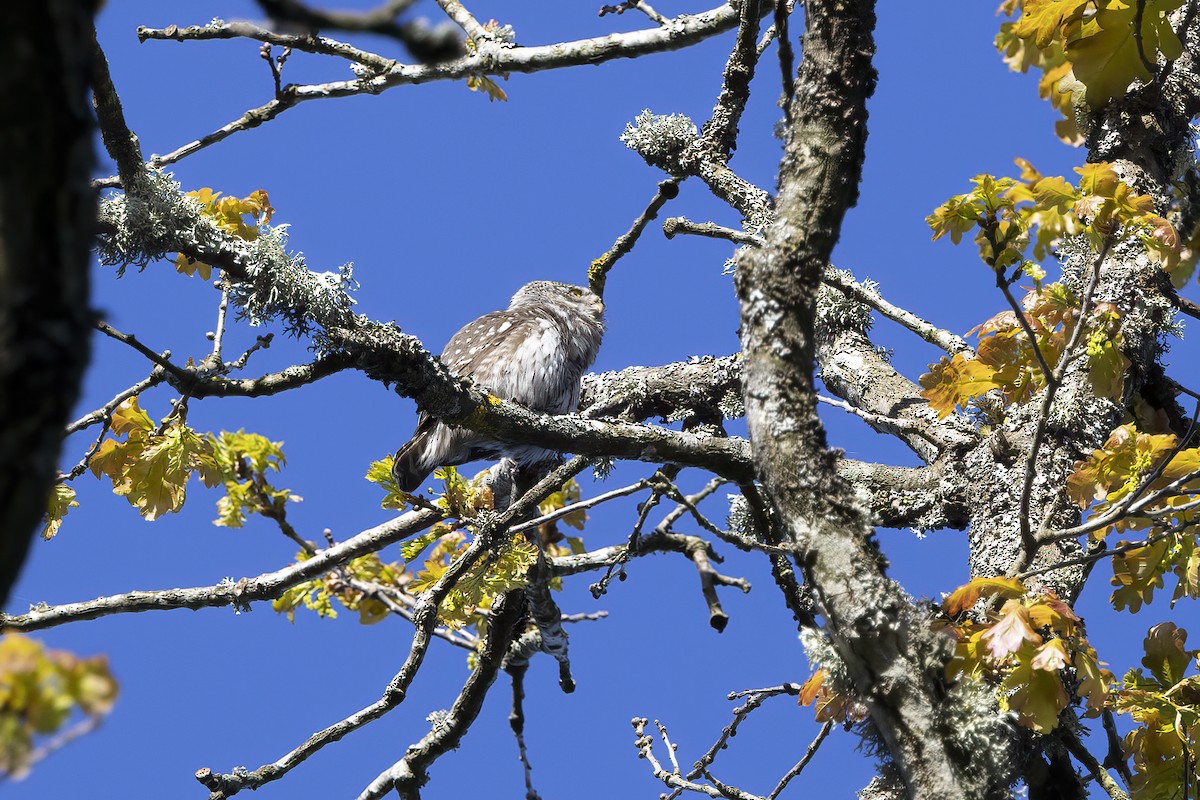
(576, 291)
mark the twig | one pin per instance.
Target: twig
(239, 29)
(275, 64)
(425, 43)
(260, 343)
(662, 730)
(709, 580)
(803, 762)
(787, 60)
(598, 272)
(61, 740)
(82, 466)
(680, 509)
(769, 35)
(408, 774)
(599, 588)
(1115, 757)
(465, 20)
(120, 142)
(161, 359)
(516, 720)
(672, 226)
(649, 11)
(1076, 748)
(590, 502)
(1138, 14)
(754, 699)
(912, 426)
(1093, 557)
(645, 747)
(547, 616)
(867, 294)
(218, 335)
(104, 412)
(1189, 307)
(1053, 381)
(862, 292)
(272, 383)
(640, 5)
(1121, 509)
(1023, 320)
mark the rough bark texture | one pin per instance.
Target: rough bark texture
(890, 655)
(47, 218)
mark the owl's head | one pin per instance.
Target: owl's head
(561, 296)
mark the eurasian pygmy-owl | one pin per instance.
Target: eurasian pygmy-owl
(534, 353)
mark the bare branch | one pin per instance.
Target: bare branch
(1076, 748)
(755, 698)
(516, 720)
(581, 505)
(273, 383)
(867, 294)
(1054, 379)
(238, 594)
(239, 29)
(720, 133)
(464, 19)
(489, 59)
(674, 779)
(408, 774)
(803, 762)
(120, 142)
(426, 43)
(676, 225)
(104, 412)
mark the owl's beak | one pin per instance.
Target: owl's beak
(598, 307)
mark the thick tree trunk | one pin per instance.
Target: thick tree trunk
(891, 656)
(47, 219)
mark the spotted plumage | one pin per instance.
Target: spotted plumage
(534, 352)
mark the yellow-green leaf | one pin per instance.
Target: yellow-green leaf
(60, 501)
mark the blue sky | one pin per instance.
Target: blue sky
(446, 203)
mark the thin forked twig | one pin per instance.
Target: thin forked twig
(598, 272)
(223, 786)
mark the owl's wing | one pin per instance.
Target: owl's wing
(517, 355)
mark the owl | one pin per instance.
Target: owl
(533, 353)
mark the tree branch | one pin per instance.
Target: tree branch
(238, 594)
(409, 774)
(490, 59)
(490, 533)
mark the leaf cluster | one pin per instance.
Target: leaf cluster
(1131, 465)
(1101, 46)
(1034, 649)
(150, 466)
(40, 689)
(229, 214)
(1165, 747)
(319, 593)
(1014, 219)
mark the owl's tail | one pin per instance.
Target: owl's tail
(411, 466)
